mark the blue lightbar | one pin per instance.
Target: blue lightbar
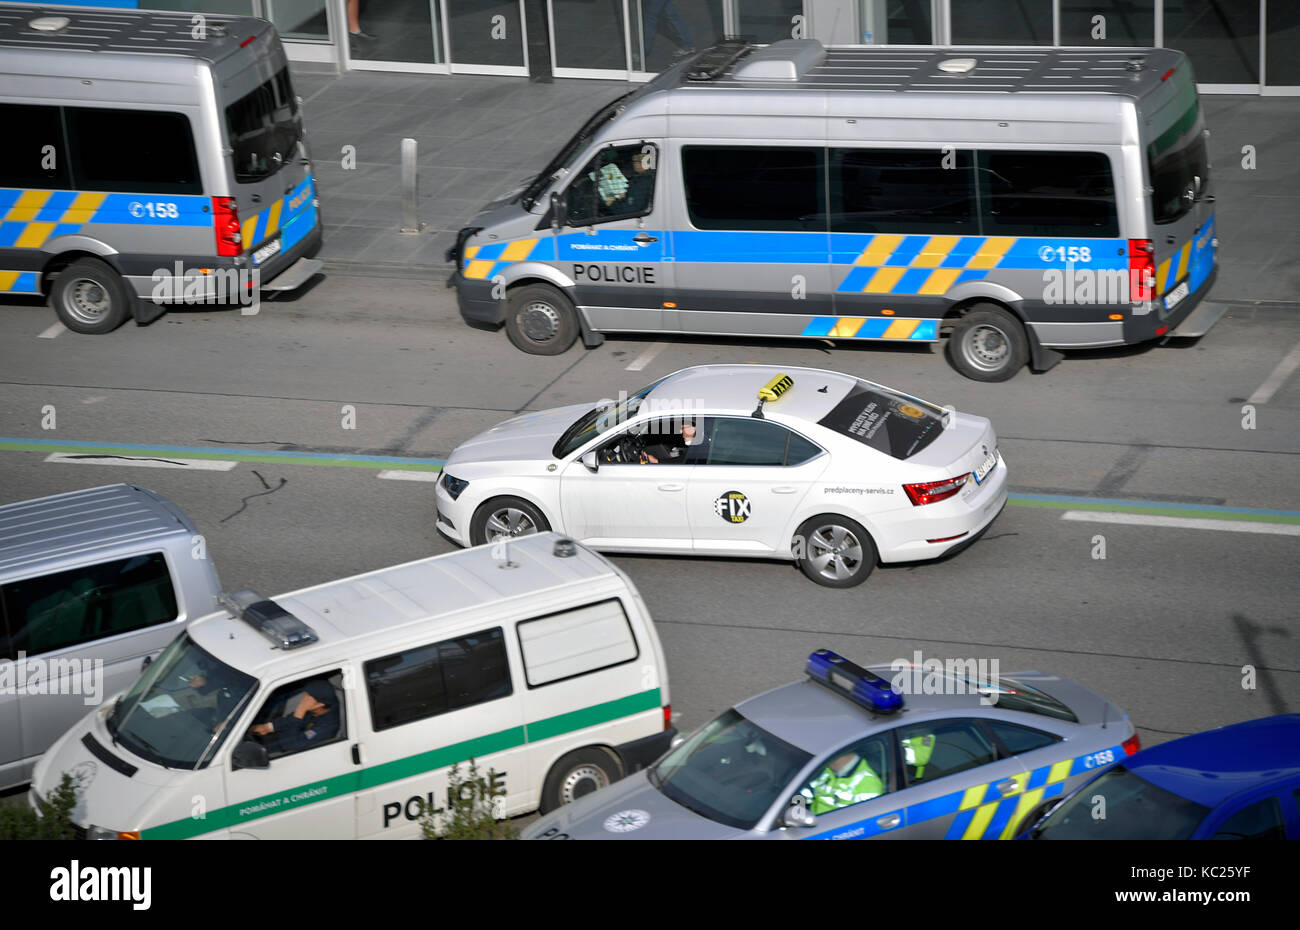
(853, 682)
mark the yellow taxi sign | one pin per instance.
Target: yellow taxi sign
(775, 388)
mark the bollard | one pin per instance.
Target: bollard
(410, 193)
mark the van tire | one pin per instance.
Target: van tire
(812, 539)
(541, 320)
(90, 297)
(502, 512)
(578, 774)
(988, 344)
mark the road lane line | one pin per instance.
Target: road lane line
(1285, 368)
(52, 331)
(263, 456)
(649, 355)
(97, 458)
(399, 474)
(1157, 508)
(1182, 523)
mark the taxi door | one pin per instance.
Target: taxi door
(306, 792)
(613, 237)
(628, 505)
(754, 476)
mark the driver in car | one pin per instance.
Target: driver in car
(673, 449)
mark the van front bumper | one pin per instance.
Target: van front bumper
(640, 753)
(476, 303)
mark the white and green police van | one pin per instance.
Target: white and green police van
(149, 159)
(337, 711)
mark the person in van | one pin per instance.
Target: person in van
(313, 721)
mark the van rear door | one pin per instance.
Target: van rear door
(1177, 167)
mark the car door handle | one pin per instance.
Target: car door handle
(1008, 787)
(784, 489)
(671, 487)
(889, 821)
(644, 238)
(356, 753)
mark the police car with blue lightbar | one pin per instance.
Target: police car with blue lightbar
(825, 469)
(858, 753)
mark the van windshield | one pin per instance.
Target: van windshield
(566, 154)
(179, 711)
(264, 128)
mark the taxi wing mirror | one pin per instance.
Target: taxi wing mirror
(797, 815)
(589, 461)
(249, 755)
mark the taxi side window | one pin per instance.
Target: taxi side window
(943, 747)
(1260, 821)
(859, 772)
(301, 715)
(747, 441)
(1018, 740)
(618, 183)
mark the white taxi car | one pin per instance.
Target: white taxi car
(814, 466)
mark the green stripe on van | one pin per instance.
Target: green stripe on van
(375, 775)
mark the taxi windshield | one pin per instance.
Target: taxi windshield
(599, 420)
(730, 771)
(178, 712)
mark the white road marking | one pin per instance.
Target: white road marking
(649, 355)
(403, 474)
(1183, 523)
(52, 331)
(1285, 368)
(99, 458)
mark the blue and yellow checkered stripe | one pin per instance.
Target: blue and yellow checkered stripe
(982, 811)
(897, 264)
(878, 327)
(29, 219)
(293, 206)
(484, 262)
(20, 282)
(1196, 255)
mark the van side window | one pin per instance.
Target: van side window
(301, 715)
(576, 642)
(33, 155)
(1047, 194)
(137, 151)
(431, 680)
(902, 191)
(618, 183)
(754, 187)
(84, 604)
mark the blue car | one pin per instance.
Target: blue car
(1240, 782)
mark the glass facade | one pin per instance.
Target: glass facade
(1108, 22)
(1001, 22)
(1220, 36)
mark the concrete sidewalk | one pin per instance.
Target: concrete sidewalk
(479, 136)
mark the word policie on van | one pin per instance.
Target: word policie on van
(214, 286)
(54, 676)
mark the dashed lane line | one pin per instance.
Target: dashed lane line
(1183, 523)
(1285, 368)
(401, 474)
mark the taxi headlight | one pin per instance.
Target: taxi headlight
(453, 486)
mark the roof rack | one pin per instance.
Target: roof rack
(710, 63)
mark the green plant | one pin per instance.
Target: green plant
(54, 822)
(475, 809)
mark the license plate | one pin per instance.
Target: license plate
(266, 251)
(1174, 297)
(983, 471)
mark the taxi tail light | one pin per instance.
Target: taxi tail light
(1131, 745)
(931, 492)
(225, 218)
(668, 716)
(1141, 270)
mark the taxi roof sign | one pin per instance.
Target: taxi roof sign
(853, 682)
(775, 388)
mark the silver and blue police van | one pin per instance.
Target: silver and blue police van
(149, 159)
(1013, 201)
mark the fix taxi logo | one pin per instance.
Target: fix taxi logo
(103, 883)
(733, 507)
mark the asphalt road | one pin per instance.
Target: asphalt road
(1163, 625)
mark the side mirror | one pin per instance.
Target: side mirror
(796, 815)
(249, 755)
(589, 461)
(559, 207)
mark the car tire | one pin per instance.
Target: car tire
(988, 344)
(578, 774)
(503, 517)
(541, 320)
(834, 551)
(90, 297)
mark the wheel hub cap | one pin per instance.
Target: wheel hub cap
(539, 321)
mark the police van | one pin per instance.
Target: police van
(1014, 201)
(336, 711)
(149, 159)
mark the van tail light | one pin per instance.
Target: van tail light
(1131, 745)
(668, 716)
(931, 492)
(1141, 270)
(225, 218)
